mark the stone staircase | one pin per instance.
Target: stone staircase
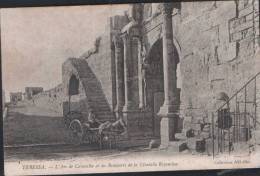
(96, 98)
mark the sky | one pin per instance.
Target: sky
(36, 41)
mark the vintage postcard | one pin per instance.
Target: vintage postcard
(131, 87)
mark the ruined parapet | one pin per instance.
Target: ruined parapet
(93, 50)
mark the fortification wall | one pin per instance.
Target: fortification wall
(50, 99)
(218, 49)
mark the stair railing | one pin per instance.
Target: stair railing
(244, 118)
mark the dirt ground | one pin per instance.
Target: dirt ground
(26, 124)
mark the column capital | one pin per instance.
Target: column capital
(125, 37)
(167, 8)
(117, 40)
(135, 12)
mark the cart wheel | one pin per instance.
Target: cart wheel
(77, 132)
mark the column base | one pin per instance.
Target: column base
(128, 107)
(119, 115)
(169, 124)
(118, 112)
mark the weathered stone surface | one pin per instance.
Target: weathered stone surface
(154, 144)
(188, 132)
(180, 136)
(196, 127)
(191, 143)
(205, 135)
(178, 146)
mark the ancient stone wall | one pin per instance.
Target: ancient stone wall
(217, 50)
(50, 99)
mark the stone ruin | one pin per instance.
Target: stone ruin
(160, 67)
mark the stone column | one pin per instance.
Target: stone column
(140, 76)
(127, 73)
(135, 42)
(119, 75)
(169, 110)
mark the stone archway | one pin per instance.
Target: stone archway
(154, 82)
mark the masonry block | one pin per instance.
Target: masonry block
(178, 146)
(180, 136)
(189, 133)
(205, 135)
(191, 143)
(200, 145)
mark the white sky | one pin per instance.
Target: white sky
(36, 41)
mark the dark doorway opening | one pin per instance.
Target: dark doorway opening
(73, 85)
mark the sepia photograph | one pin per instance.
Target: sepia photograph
(131, 87)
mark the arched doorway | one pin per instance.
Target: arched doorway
(73, 89)
(154, 82)
(154, 88)
(73, 85)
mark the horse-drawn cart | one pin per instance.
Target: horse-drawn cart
(100, 134)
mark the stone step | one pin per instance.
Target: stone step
(98, 96)
(196, 144)
(99, 104)
(95, 91)
(178, 146)
(93, 100)
(101, 109)
(180, 136)
(104, 114)
(100, 101)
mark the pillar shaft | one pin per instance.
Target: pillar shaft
(119, 74)
(127, 72)
(169, 109)
(169, 64)
(140, 76)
